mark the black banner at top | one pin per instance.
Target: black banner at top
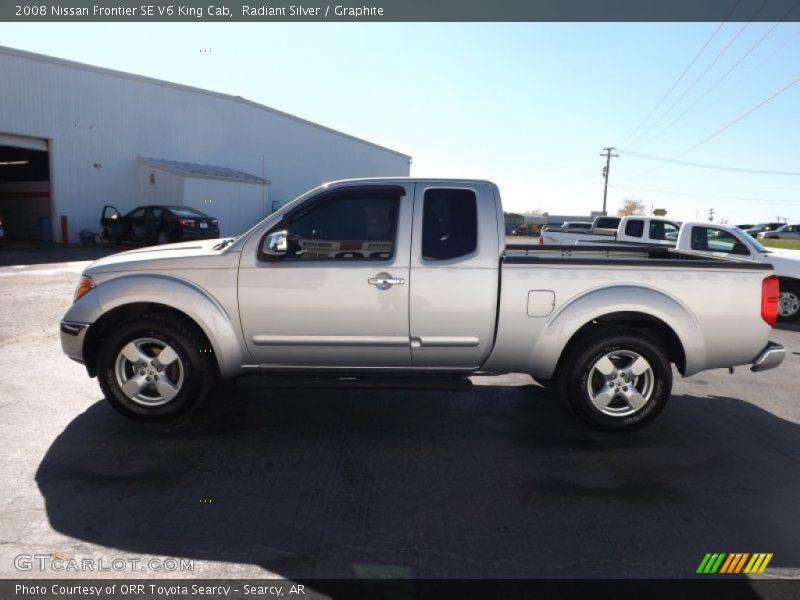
(399, 10)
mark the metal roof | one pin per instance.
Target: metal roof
(198, 170)
(104, 70)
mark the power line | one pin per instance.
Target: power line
(708, 166)
(726, 126)
(691, 195)
(699, 77)
(680, 77)
(718, 81)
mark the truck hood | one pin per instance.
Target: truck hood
(199, 254)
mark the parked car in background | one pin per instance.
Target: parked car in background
(157, 225)
(763, 228)
(716, 239)
(641, 230)
(746, 227)
(787, 232)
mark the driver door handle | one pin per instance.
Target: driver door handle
(383, 281)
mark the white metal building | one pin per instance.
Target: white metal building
(74, 138)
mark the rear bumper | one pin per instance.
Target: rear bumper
(770, 357)
(72, 335)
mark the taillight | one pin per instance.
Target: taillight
(770, 297)
(185, 222)
(541, 240)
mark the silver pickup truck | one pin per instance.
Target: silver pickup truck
(410, 280)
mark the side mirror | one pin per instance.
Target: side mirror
(275, 245)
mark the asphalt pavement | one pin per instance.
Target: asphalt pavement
(501, 481)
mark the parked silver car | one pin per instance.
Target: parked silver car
(787, 232)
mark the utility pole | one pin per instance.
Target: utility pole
(609, 153)
(711, 215)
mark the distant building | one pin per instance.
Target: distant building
(74, 138)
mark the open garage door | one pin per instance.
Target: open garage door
(25, 206)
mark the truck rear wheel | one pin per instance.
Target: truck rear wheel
(152, 368)
(789, 302)
(617, 380)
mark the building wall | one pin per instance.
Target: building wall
(238, 205)
(99, 122)
(166, 188)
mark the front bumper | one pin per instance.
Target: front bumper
(72, 335)
(770, 357)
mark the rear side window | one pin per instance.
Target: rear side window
(661, 230)
(607, 223)
(449, 224)
(634, 228)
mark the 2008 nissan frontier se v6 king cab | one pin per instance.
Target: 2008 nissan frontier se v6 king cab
(407, 279)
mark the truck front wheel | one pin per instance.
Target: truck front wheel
(617, 381)
(154, 368)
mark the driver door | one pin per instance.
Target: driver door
(111, 223)
(339, 297)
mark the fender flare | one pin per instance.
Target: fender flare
(223, 332)
(597, 303)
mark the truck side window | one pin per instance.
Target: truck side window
(660, 230)
(634, 228)
(709, 239)
(449, 224)
(358, 226)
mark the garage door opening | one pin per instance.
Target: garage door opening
(25, 207)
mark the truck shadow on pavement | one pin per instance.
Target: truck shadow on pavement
(496, 482)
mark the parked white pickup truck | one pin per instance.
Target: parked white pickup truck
(443, 300)
(725, 240)
(715, 240)
(640, 230)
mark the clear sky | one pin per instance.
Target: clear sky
(527, 105)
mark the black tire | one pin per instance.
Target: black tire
(619, 345)
(793, 291)
(196, 368)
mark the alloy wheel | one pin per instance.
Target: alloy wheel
(149, 371)
(620, 383)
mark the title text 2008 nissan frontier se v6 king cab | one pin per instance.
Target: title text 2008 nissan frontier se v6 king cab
(394, 278)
